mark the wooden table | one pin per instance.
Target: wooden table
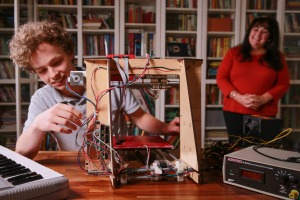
(83, 186)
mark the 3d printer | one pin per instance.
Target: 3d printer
(105, 146)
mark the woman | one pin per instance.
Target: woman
(253, 76)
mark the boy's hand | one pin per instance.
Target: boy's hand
(60, 118)
(173, 126)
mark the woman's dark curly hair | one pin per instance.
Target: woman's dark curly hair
(272, 55)
(30, 35)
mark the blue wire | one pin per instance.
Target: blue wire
(70, 90)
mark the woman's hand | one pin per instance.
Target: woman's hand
(246, 100)
(253, 101)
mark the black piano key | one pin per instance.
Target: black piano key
(4, 168)
(20, 176)
(29, 178)
(2, 157)
(7, 163)
(10, 169)
(15, 173)
(5, 160)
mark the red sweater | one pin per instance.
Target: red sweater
(251, 78)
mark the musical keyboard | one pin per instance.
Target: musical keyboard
(22, 178)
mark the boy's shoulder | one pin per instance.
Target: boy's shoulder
(45, 92)
(44, 89)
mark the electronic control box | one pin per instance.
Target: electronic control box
(265, 170)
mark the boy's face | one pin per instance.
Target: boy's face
(52, 65)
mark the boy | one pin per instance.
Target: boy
(46, 49)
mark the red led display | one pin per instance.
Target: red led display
(252, 175)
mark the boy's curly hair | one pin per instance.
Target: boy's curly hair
(28, 36)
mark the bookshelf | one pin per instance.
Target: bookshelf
(205, 29)
(181, 26)
(16, 85)
(94, 25)
(7, 104)
(221, 30)
(139, 30)
(290, 30)
(252, 9)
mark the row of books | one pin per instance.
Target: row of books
(294, 70)
(252, 16)
(181, 3)
(8, 125)
(222, 4)
(8, 117)
(7, 70)
(292, 23)
(139, 14)
(49, 143)
(6, 18)
(67, 20)
(99, 2)
(181, 22)
(292, 4)
(58, 2)
(212, 69)
(172, 96)
(139, 42)
(262, 4)
(74, 2)
(3, 44)
(90, 20)
(218, 46)
(98, 21)
(8, 141)
(292, 96)
(12, 1)
(214, 95)
(8, 93)
(171, 113)
(98, 45)
(291, 47)
(291, 117)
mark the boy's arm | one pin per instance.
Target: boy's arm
(60, 118)
(152, 125)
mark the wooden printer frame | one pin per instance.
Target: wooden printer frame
(189, 71)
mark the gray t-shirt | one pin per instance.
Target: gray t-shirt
(47, 96)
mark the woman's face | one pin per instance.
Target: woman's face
(258, 37)
(52, 65)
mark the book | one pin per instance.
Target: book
(92, 25)
(138, 44)
(151, 44)
(178, 49)
(135, 39)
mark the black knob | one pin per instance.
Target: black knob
(284, 180)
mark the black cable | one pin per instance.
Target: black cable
(289, 159)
